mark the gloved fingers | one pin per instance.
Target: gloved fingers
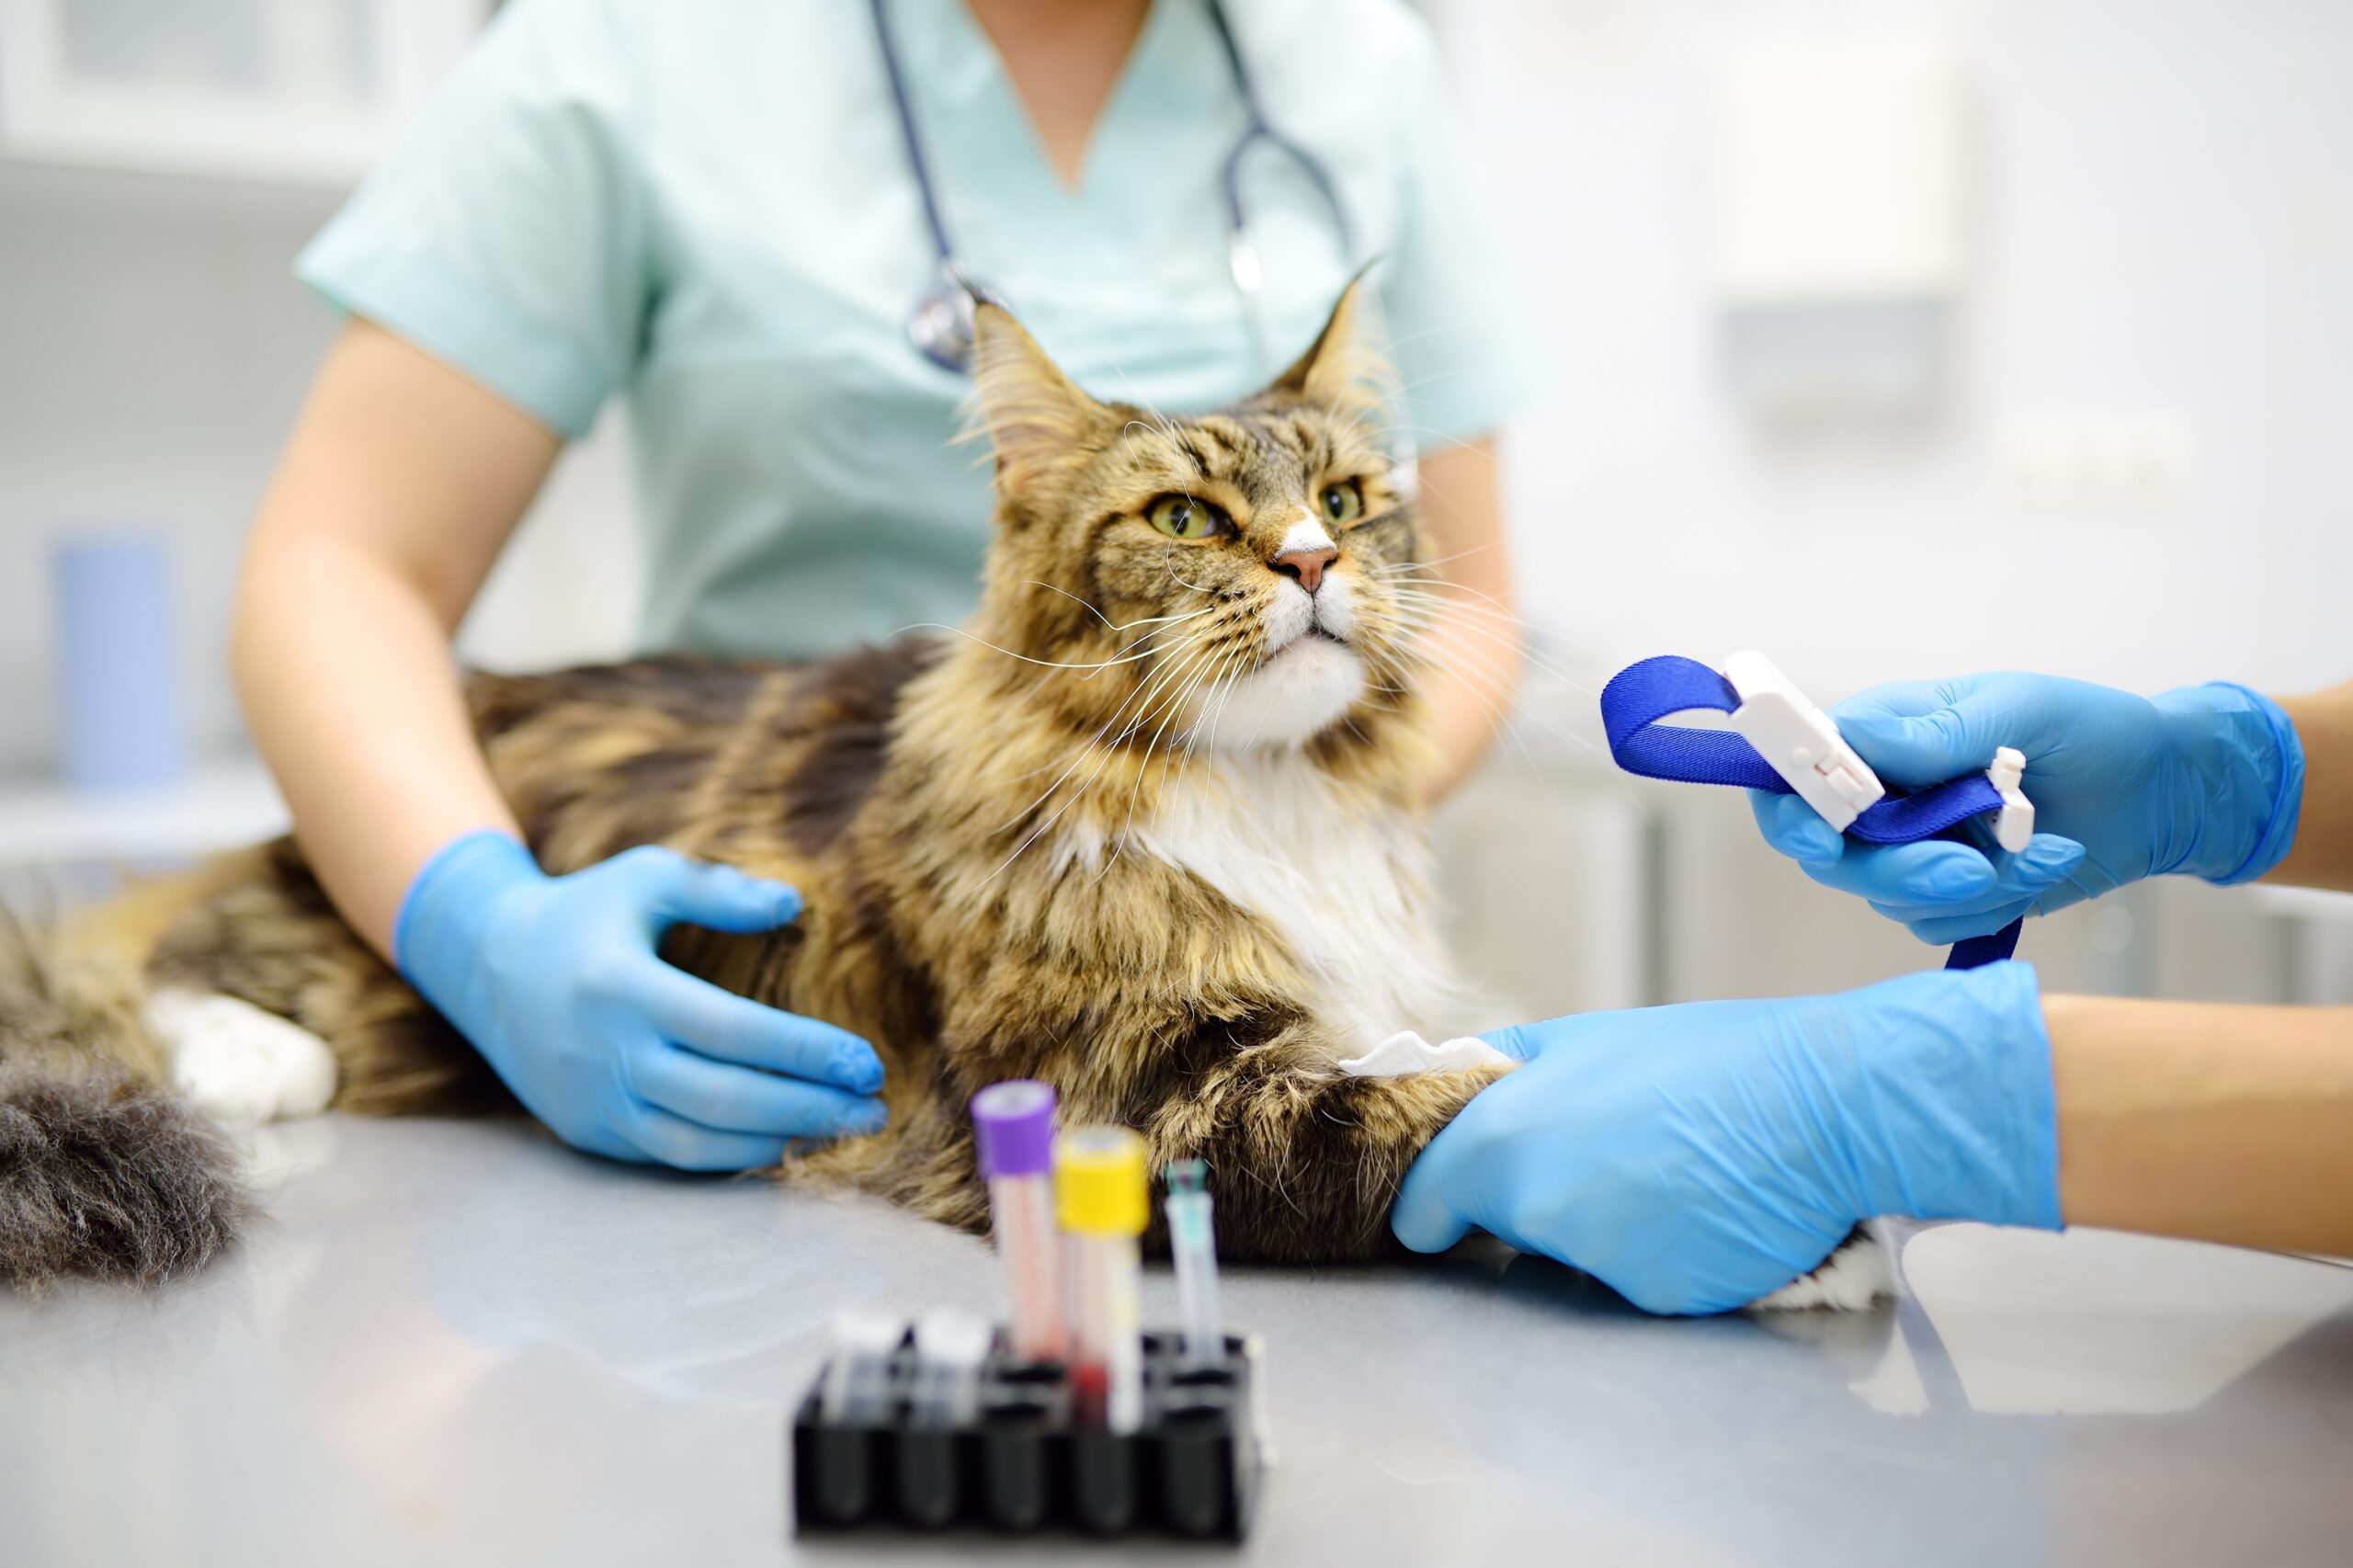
(1917, 734)
(703, 892)
(1424, 1218)
(1942, 931)
(1669, 1293)
(665, 1139)
(1934, 873)
(606, 1143)
(717, 1023)
(1795, 829)
(1516, 1043)
(2046, 862)
(728, 1098)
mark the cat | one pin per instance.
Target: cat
(1149, 828)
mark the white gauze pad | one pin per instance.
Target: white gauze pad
(1406, 1052)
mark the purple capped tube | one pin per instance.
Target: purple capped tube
(1013, 1125)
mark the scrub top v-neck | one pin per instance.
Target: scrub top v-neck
(705, 206)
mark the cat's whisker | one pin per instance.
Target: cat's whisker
(1162, 423)
(1123, 626)
(1212, 708)
(1203, 734)
(1168, 560)
(1176, 707)
(1145, 696)
(1135, 726)
(1404, 388)
(1216, 708)
(1448, 588)
(1166, 434)
(1048, 663)
(1448, 615)
(1480, 683)
(1171, 650)
(1487, 646)
(1403, 567)
(1481, 656)
(1434, 612)
(1172, 701)
(1502, 715)
(1086, 746)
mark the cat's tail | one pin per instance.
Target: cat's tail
(104, 1174)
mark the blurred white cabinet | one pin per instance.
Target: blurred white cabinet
(308, 91)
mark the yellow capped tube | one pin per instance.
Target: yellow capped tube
(1101, 1195)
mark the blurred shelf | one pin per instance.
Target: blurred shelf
(310, 93)
(219, 805)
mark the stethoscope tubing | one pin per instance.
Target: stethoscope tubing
(941, 323)
(1257, 128)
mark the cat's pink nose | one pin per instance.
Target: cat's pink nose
(1307, 565)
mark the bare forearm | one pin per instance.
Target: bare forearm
(2322, 854)
(1476, 663)
(399, 486)
(349, 691)
(2223, 1123)
(1472, 637)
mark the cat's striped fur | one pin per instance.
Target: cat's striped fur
(985, 830)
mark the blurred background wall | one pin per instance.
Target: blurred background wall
(2126, 467)
(2129, 471)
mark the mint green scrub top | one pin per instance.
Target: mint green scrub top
(705, 206)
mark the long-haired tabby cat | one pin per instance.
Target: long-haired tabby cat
(1149, 830)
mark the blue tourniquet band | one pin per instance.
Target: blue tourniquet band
(1641, 694)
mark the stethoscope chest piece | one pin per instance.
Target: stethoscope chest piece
(942, 326)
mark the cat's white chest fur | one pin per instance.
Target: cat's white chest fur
(1347, 891)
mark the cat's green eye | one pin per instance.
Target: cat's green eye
(1342, 502)
(1185, 517)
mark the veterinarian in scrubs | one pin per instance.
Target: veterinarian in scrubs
(711, 209)
(1698, 1157)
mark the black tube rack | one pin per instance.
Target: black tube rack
(1024, 1465)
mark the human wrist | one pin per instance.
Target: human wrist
(437, 932)
(1955, 1115)
(2243, 770)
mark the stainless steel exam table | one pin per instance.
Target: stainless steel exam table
(457, 1343)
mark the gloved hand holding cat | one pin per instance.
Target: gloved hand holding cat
(556, 982)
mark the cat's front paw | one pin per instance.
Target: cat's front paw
(237, 1063)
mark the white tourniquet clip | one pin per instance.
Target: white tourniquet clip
(1798, 741)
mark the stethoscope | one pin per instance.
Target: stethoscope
(940, 325)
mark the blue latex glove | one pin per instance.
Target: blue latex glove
(2205, 782)
(556, 982)
(1698, 1157)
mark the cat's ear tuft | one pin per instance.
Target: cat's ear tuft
(1037, 417)
(1345, 370)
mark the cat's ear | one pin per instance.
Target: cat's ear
(1345, 370)
(1038, 419)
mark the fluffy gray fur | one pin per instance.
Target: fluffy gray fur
(101, 1176)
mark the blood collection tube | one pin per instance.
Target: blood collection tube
(949, 1348)
(1192, 1241)
(1013, 1125)
(1100, 1195)
(857, 1380)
